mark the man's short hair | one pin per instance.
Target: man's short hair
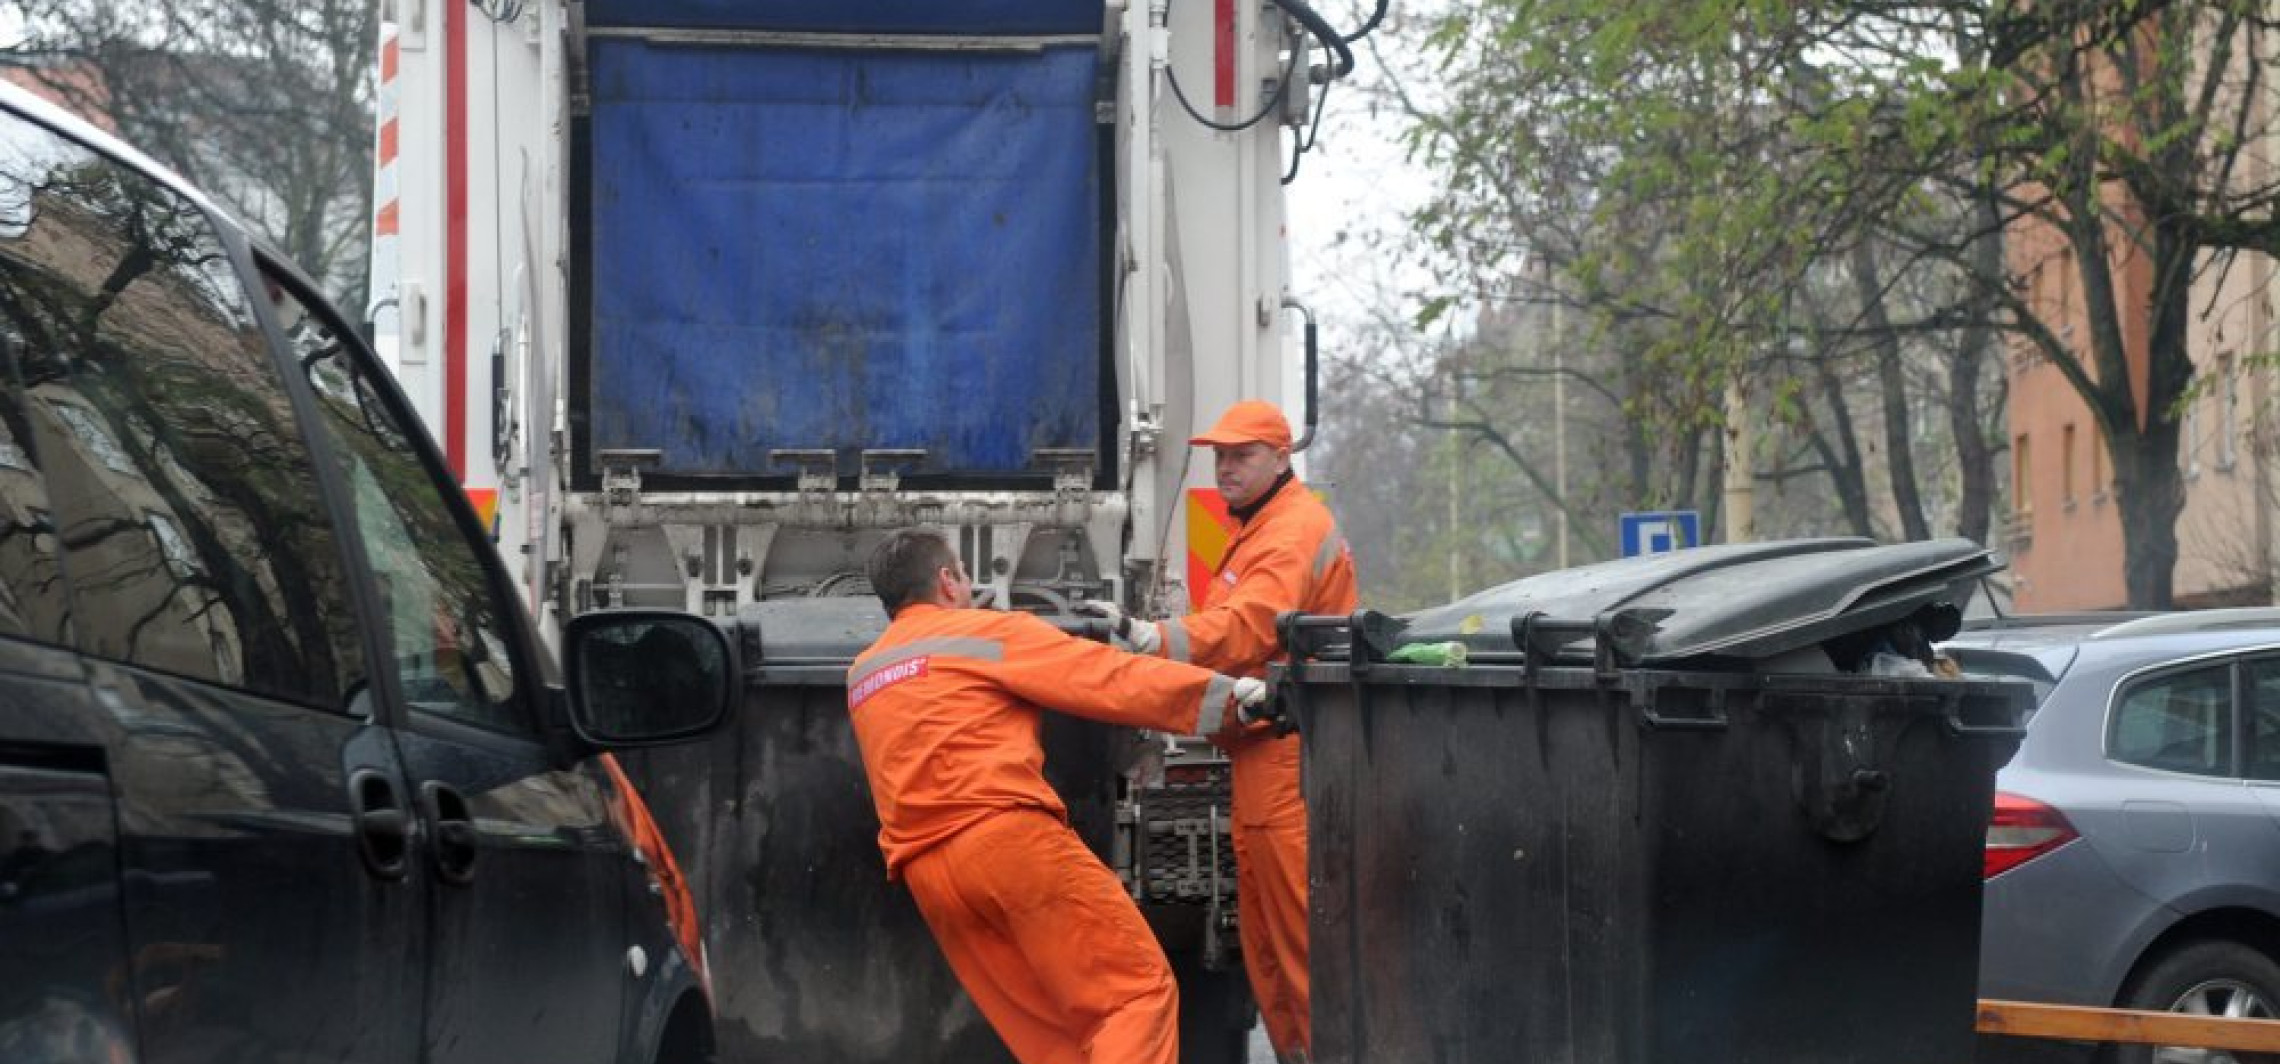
(902, 567)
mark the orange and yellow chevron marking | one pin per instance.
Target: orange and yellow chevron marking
(486, 502)
(1210, 528)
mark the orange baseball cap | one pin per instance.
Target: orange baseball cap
(1250, 421)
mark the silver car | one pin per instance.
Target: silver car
(2134, 857)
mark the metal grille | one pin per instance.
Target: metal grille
(1185, 838)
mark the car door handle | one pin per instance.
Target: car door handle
(453, 829)
(383, 827)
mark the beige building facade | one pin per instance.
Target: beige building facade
(2064, 533)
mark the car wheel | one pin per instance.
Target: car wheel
(2209, 978)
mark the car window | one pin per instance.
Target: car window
(2180, 722)
(2262, 679)
(447, 631)
(178, 485)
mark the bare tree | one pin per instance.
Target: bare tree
(266, 104)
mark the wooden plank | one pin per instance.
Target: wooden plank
(2076, 1023)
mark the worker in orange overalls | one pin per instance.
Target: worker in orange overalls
(947, 706)
(1288, 555)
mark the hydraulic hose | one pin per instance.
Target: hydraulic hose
(1376, 17)
(1324, 32)
(1321, 29)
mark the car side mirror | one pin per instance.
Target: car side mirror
(647, 677)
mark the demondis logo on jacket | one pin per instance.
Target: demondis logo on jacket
(885, 678)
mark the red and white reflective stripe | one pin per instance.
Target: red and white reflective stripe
(1223, 52)
(387, 204)
(455, 240)
(385, 210)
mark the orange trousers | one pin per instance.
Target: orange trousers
(1048, 944)
(1270, 884)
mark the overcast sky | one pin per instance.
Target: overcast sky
(1357, 183)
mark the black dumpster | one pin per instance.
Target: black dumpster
(815, 957)
(1666, 814)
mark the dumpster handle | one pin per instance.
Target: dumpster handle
(1528, 625)
(1364, 630)
(1291, 628)
(1712, 717)
(1298, 648)
(1288, 691)
(751, 650)
(1952, 708)
(1358, 667)
(1369, 634)
(1286, 632)
(1362, 634)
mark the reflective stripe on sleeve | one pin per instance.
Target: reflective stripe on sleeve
(1213, 712)
(1175, 641)
(1332, 545)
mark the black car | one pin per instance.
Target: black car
(284, 772)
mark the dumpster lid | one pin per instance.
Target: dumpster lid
(833, 630)
(811, 631)
(1752, 600)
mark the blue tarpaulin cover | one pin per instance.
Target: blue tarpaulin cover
(811, 249)
(966, 17)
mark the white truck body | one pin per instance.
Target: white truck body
(473, 270)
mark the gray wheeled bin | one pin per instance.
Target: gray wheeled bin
(1662, 816)
(815, 957)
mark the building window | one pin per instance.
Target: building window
(2099, 482)
(181, 557)
(2022, 357)
(2022, 483)
(2189, 439)
(2066, 466)
(2228, 414)
(98, 442)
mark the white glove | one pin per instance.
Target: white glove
(1138, 636)
(1250, 694)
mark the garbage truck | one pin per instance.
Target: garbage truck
(703, 297)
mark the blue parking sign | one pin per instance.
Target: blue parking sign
(1661, 531)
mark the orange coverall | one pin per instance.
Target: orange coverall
(947, 707)
(1288, 556)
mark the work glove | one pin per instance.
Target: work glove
(1251, 704)
(1137, 636)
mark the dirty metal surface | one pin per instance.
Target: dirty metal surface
(844, 250)
(1670, 868)
(815, 957)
